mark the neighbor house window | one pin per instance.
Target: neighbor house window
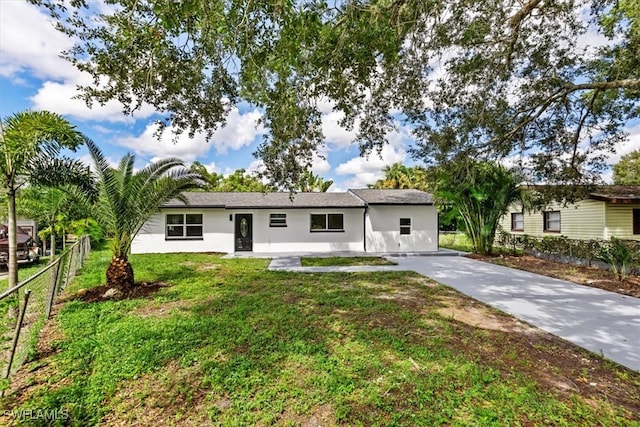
(517, 221)
(405, 225)
(552, 221)
(184, 226)
(636, 221)
(327, 222)
(278, 220)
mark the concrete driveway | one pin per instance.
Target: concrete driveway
(603, 322)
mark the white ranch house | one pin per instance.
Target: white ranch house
(365, 220)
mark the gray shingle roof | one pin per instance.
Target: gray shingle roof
(394, 197)
(268, 200)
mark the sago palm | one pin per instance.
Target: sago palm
(129, 198)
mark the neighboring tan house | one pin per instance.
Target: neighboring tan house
(611, 211)
(358, 220)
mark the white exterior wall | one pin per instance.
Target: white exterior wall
(297, 237)
(383, 229)
(217, 234)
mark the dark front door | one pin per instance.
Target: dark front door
(244, 232)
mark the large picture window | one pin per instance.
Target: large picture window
(552, 221)
(184, 226)
(327, 222)
(517, 221)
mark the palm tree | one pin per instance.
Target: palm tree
(310, 182)
(30, 142)
(129, 198)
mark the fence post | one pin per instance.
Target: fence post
(73, 250)
(55, 272)
(16, 334)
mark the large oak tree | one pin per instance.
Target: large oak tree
(491, 79)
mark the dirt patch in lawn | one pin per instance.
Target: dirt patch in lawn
(582, 275)
(140, 290)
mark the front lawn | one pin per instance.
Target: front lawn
(344, 261)
(228, 342)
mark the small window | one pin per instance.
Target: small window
(327, 222)
(277, 220)
(405, 225)
(184, 226)
(517, 221)
(636, 221)
(552, 221)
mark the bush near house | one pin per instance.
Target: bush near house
(621, 256)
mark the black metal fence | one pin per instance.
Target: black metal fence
(27, 306)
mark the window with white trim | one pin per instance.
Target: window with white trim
(327, 222)
(517, 221)
(405, 225)
(278, 220)
(551, 221)
(184, 226)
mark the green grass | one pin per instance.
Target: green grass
(456, 241)
(234, 343)
(344, 261)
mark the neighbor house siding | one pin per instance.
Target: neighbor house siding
(582, 220)
(217, 234)
(383, 229)
(297, 236)
(619, 221)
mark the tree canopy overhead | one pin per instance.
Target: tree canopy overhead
(485, 79)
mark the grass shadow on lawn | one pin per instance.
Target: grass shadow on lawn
(230, 343)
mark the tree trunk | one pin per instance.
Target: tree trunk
(120, 273)
(52, 245)
(13, 244)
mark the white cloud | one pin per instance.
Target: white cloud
(631, 144)
(28, 41)
(240, 131)
(366, 170)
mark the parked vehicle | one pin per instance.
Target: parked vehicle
(28, 251)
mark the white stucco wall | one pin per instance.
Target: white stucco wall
(217, 233)
(383, 229)
(297, 237)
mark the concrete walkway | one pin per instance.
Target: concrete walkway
(603, 322)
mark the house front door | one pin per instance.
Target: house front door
(244, 232)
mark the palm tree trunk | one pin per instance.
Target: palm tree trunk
(120, 273)
(52, 244)
(13, 243)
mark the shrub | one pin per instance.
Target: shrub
(620, 255)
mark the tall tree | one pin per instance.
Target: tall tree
(486, 79)
(54, 209)
(627, 170)
(399, 176)
(480, 193)
(29, 144)
(309, 182)
(129, 198)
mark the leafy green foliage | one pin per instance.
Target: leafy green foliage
(313, 183)
(486, 80)
(370, 348)
(239, 181)
(399, 176)
(480, 193)
(627, 170)
(620, 255)
(30, 143)
(129, 198)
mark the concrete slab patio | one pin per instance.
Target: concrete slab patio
(603, 322)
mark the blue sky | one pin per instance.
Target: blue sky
(33, 76)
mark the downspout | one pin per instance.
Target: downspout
(364, 227)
